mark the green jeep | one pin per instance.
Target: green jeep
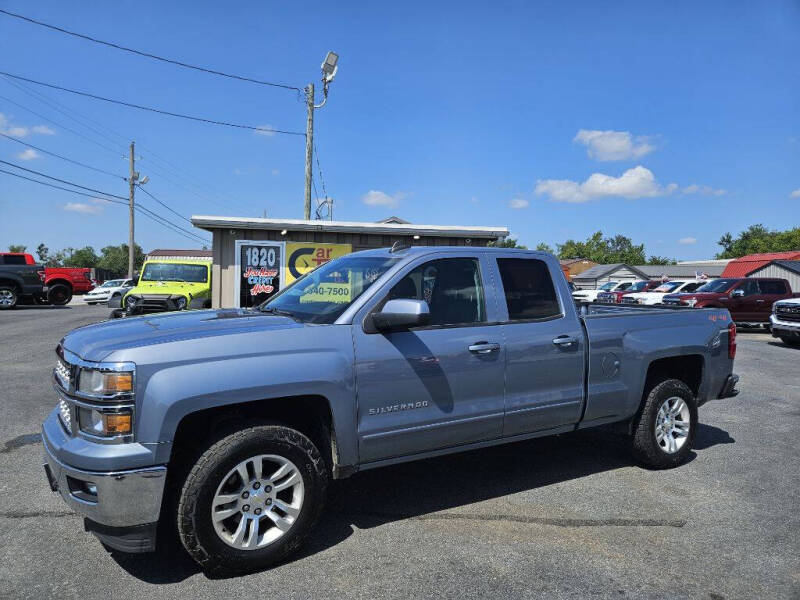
(165, 285)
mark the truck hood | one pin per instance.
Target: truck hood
(167, 287)
(96, 342)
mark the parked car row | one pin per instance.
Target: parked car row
(750, 300)
(59, 283)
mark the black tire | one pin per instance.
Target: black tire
(790, 341)
(59, 294)
(195, 528)
(8, 297)
(646, 448)
(117, 313)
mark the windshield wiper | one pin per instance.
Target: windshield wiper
(278, 311)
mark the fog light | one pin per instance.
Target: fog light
(181, 303)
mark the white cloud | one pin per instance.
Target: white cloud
(614, 145)
(80, 207)
(378, 198)
(687, 241)
(264, 130)
(704, 190)
(28, 154)
(43, 129)
(518, 203)
(795, 194)
(18, 131)
(634, 183)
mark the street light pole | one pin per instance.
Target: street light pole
(329, 69)
(131, 188)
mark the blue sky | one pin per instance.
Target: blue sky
(668, 122)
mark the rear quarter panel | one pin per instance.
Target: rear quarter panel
(622, 347)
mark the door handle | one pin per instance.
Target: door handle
(564, 340)
(759, 301)
(484, 347)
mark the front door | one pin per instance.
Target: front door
(746, 308)
(436, 386)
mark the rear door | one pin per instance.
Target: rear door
(436, 386)
(544, 347)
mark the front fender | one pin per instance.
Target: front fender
(178, 389)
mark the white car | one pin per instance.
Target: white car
(655, 295)
(591, 295)
(785, 321)
(103, 293)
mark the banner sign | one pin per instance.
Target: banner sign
(258, 270)
(302, 257)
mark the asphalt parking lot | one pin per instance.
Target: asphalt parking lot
(563, 517)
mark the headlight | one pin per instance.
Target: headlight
(131, 300)
(105, 383)
(180, 303)
(105, 424)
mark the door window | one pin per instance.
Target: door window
(452, 288)
(528, 289)
(749, 287)
(772, 287)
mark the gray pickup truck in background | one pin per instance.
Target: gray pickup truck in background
(20, 281)
(228, 424)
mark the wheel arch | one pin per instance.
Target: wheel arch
(310, 414)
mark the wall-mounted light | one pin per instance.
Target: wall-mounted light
(283, 232)
(416, 237)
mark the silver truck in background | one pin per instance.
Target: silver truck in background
(228, 424)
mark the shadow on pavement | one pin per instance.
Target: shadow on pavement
(373, 498)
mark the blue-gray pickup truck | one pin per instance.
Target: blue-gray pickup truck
(226, 425)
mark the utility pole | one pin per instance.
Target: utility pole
(329, 69)
(131, 187)
(309, 147)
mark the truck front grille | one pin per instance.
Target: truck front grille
(788, 313)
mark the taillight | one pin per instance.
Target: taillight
(42, 275)
(732, 341)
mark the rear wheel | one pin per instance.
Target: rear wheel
(251, 499)
(8, 297)
(59, 294)
(664, 432)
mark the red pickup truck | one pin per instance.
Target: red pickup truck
(61, 282)
(748, 299)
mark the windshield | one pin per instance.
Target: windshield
(175, 272)
(718, 285)
(638, 286)
(668, 287)
(112, 283)
(608, 286)
(324, 294)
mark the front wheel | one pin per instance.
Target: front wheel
(664, 431)
(8, 297)
(790, 341)
(251, 499)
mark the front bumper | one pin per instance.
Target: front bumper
(783, 328)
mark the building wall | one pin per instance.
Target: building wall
(780, 273)
(224, 248)
(621, 274)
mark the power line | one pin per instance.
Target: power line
(151, 109)
(148, 55)
(83, 187)
(141, 189)
(319, 169)
(116, 153)
(75, 162)
(145, 211)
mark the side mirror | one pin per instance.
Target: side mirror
(737, 293)
(402, 313)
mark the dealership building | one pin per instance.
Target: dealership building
(254, 257)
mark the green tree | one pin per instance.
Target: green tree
(757, 239)
(17, 248)
(542, 247)
(115, 258)
(661, 260)
(83, 257)
(604, 250)
(508, 242)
